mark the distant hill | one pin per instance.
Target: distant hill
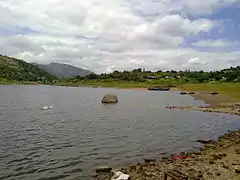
(63, 70)
(19, 70)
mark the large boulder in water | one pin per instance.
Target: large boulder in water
(109, 99)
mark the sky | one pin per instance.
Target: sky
(108, 35)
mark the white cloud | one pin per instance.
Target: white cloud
(196, 61)
(216, 43)
(110, 34)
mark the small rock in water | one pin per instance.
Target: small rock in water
(205, 141)
(148, 161)
(109, 99)
(165, 157)
(104, 169)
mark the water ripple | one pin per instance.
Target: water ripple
(79, 133)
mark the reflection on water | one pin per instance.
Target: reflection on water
(79, 133)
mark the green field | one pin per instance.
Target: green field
(119, 83)
(230, 89)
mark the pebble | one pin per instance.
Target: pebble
(148, 161)
(133, 167)
(225, 166)
(211, 162)
(198, 153)
(237, 151)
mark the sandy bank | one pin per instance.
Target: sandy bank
(217, 103)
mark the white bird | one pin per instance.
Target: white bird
(47, 107)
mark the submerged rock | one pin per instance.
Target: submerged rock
(109, 99)
(205, 141)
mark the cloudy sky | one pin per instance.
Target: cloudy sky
(107, 35)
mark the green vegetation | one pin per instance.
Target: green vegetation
(231, 89)
(116, 83)
(141, 78)
(14, 71)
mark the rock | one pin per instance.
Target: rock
(222, 155)
(183, 93)
(165, 157)
(104, 169)
(209, 146)
(148, 161)
(133, 167)
(237, 151)
(103, 176)
(193, 173)
(215, 157)
(237, 170)
(211, 162)
(182, 153)
(219, 156)
(225, 166)
(109, 99)
(193, 155)
(218, 174)
(120, 176)
(205, 141)
(198, 153)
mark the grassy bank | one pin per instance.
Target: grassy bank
(119, 83)
(227, 101)
(232, 90)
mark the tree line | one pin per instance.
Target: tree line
(140, 75)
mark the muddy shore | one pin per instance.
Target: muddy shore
(218, 160)
(216, 103)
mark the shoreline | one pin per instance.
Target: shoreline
(216, 160)
(219, 103)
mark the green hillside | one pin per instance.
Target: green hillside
(13, 69)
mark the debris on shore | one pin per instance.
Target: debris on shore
(219, 161)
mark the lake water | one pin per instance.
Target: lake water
(80, 133)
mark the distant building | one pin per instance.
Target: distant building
(151, 77)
